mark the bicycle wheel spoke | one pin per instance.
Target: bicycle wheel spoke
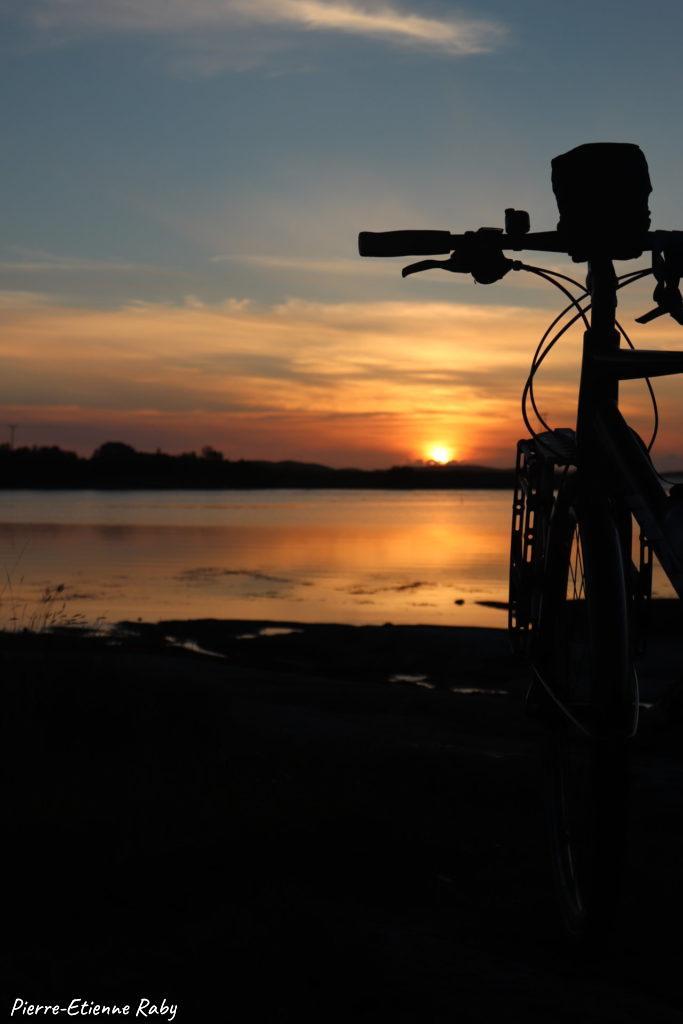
(582, 576)
(587, 779)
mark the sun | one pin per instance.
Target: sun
(440, 453)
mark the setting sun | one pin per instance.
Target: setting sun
(439, 453)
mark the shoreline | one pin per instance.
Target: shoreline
(177, 486)
(290, 826)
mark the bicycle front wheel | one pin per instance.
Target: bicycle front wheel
(588, 665)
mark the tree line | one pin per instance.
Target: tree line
(118, 465)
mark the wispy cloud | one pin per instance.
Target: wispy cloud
(310, 266)
(357, 382)
(368, 382)
(38, 262)
(453, 34)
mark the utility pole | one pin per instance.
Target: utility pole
(12, 427)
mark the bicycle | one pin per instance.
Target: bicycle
(578, 604)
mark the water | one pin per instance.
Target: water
(359, 557)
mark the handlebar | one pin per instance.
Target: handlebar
(480, 253)
(428, 243)
(405, 243)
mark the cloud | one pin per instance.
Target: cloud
(453, 34)
(44, 262)
(365, 382)
(346, 267)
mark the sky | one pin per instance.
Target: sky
(183, 185)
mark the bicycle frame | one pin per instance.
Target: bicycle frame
(576, 597)
(610, 455)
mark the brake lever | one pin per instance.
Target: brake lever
(456, 265)
(484, 261)
(667, 269)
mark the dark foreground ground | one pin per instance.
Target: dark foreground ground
(282, 834)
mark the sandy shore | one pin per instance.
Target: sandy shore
(274, 824)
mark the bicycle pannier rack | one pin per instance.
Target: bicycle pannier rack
(537, 462)
(642, 595)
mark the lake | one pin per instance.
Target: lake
(358, 557)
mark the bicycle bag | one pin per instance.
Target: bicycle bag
(602, 191)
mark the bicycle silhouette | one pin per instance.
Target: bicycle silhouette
(578, 605)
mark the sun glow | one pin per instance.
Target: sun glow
(440, 453)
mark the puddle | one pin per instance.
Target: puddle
(190, 645)
(479, 691)
(415, 680)
(269, 631)
(466, 691)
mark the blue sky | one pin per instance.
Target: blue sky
(209, 165)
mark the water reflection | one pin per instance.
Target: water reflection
(345, 556)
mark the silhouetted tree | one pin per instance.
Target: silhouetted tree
(114, 450)
(211, 454)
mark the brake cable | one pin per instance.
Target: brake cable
(528, 389)
(539, 355)
(538, 358)
(535, 362)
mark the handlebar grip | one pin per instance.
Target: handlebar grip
(404, 243)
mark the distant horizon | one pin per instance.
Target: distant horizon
(208, 451)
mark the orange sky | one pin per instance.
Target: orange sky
(362, 383)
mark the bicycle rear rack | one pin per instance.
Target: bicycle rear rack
(534, 482)
(538, 459)
(521, 543)
(642, 597)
